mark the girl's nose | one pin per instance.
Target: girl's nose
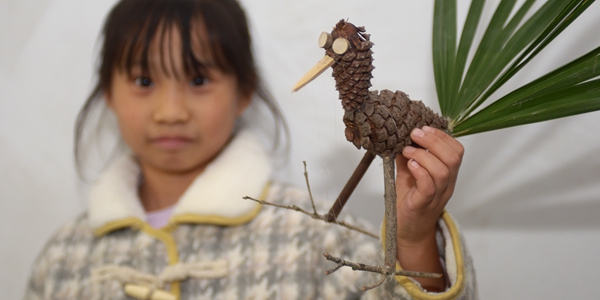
(171, 107)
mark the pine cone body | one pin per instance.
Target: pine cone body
(382, 124)
(378, 122)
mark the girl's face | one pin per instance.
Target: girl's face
(173, 122)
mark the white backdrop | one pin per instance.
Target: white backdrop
(528, 198)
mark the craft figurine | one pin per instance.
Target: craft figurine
(379, 122)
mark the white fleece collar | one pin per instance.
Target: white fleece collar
(241, 169)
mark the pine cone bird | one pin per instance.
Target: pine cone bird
(379, 122)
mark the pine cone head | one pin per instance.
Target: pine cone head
(348, 52)
(345, 37)
(350, 48)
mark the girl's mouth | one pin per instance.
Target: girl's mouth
(171, 143)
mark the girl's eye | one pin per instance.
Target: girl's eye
(143, 81)
(199, 81)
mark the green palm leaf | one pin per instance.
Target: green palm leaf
(509, 43)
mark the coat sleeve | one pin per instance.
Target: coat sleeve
(45, 274)
(361, 248)
(34, 290)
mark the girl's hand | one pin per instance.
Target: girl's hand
(425, 182)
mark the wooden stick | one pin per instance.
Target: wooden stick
(313, 73)
(389, 177)
(358, 174)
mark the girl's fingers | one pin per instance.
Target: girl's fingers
(414, 183)
(425, 188)
(431, 172)
(435, 168)
(452, 142)
(444, 147)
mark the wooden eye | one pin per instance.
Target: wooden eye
(325, 40)
(340, 46)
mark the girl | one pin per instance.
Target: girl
(167, 220)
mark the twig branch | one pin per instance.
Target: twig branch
(370, 287)
(312, 201)
(381, 269)
(315, 216)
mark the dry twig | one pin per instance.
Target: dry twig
(315, 216)
(312, 201)
(383, 270)
(380, 269)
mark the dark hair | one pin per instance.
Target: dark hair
(131, 26)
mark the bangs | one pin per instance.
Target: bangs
(162, 21)
(138, 30)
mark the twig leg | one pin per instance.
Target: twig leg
(360, 170)
(389, 176)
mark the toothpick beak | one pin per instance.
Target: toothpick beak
(319, 68)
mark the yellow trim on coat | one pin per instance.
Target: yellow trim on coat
(116, 225)
(164, 236)
(414, 290)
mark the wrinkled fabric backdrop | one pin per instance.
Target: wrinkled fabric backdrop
(528, 198)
